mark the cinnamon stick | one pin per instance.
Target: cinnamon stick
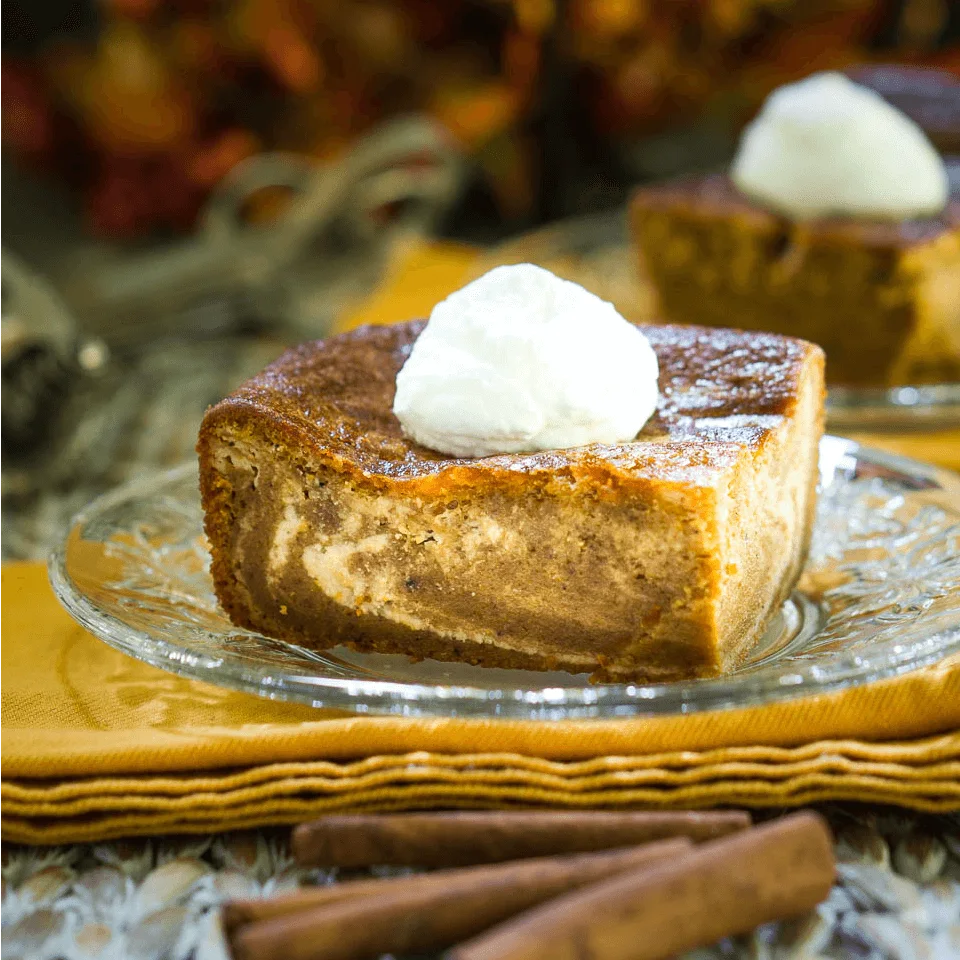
(725, 887)
(458, 839)
(426, 912)
(236, 913)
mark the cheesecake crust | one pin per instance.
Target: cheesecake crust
(660, 558)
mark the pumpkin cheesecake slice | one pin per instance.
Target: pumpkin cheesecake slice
(663, 557)
(837, 222)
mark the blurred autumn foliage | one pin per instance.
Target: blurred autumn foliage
(144, 120)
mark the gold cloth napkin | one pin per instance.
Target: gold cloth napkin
(97, 745)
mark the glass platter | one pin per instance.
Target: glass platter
(596, 252)
(880, 596)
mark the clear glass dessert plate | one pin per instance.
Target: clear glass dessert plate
(596, 251)
(880, 596)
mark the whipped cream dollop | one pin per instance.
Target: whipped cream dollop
(520, 360)
(828, 146)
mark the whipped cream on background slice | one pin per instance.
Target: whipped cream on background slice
(520, 360)
(828, 146)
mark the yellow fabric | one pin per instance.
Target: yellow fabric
(418, 277)
(98, 745)
(941, 447)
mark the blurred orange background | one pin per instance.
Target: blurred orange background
(144, 115)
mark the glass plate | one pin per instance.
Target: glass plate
(596, 252)
(880, 596)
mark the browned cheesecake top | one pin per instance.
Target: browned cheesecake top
(720, 393)
(716, 195)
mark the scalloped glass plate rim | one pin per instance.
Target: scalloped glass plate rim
(586, 701)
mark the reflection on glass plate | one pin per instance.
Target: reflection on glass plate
(880, 595)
